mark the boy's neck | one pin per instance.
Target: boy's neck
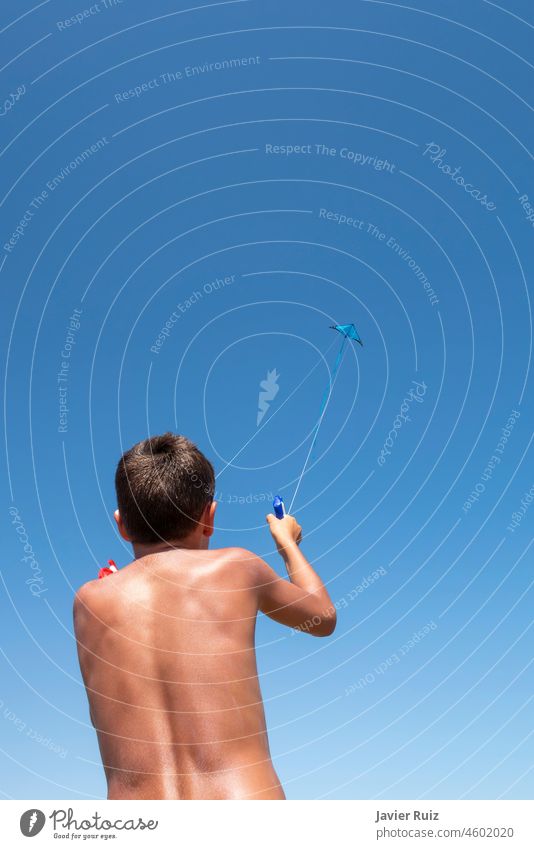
(194, 542)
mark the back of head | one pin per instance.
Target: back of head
(163, 486)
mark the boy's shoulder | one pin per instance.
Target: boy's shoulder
(97, 589)
(242, 559)
(86, 597)
(243, 556)
(85, 593)
(236, 552)
(84, 605)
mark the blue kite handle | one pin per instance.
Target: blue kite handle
(278, 507)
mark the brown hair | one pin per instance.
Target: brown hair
(163, 486)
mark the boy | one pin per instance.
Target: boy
(166, 645)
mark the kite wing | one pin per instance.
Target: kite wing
(349, 331)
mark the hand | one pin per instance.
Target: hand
(285, 532)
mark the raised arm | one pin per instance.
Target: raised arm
(302, 602)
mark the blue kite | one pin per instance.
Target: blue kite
(348, 330)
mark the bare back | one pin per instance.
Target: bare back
(166, 649)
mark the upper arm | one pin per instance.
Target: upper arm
(82, 615)
(78, 609)
(81, 607)
(290, 605)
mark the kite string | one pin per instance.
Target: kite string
(268, 420)
(324, 404)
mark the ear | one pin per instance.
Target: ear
(120, 526)
(208, 519)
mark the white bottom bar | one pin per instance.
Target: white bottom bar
(271, 825)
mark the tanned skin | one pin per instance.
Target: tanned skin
(166, 650)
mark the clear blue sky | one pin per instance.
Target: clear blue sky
(352, 161)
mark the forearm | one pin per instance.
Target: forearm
(301, 572)
(303, 602)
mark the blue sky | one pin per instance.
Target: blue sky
(261, 172)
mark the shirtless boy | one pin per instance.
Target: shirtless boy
(166, 644)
